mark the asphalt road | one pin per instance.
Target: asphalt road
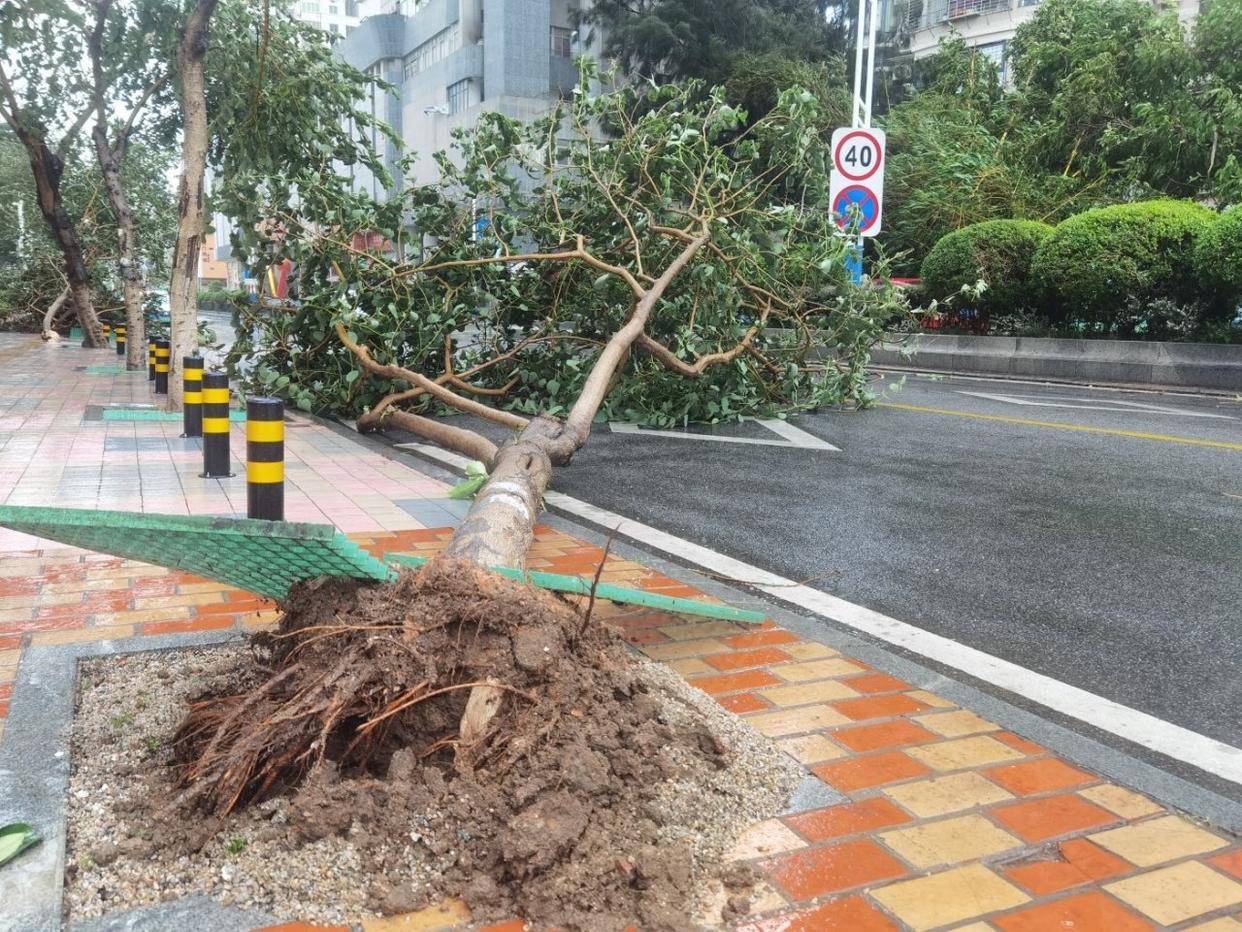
(1108, 561)
(1091, 535)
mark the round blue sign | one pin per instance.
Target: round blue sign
(856, 204)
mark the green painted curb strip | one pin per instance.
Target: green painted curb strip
(146, 414)
(608, 591)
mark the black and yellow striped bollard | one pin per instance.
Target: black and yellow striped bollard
(192, 396)
(107, 331)
(163, 352)
(265, 459)
(216, 426)
(120, 341)
(151, 359)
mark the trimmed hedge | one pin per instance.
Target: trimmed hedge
(997, 251)
(1098, 266)
(1218, 255)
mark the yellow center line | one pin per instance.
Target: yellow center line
(1136, 434)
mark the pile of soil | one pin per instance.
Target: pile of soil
(585, 791)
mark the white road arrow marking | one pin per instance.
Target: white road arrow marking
(790, 436)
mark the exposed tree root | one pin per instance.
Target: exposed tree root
(525, 733)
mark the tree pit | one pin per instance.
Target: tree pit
(507, 737)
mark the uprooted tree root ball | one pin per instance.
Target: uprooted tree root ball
(514, 719)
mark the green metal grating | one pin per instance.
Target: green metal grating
(151, 414)
(264, 557)
(105, 370)
(607, 591)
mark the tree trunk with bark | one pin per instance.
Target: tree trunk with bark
(47, 167)
(127, 252)
(183, 289)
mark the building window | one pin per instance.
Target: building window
(562, 42)
(995, 53)
(334, 10)
(434, 50)
(458, 95)
(310, 6)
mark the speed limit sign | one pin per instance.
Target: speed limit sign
(857, 184)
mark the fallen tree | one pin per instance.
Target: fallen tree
(639, 235)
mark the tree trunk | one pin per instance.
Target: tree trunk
(500, 526)
(49, 318)
(127, 252)
(47, 168)
(183, 289)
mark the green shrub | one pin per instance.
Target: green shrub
(997, 251)
(1218, 256)
(1098, 267)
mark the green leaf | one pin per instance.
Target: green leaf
(466, 490)
(16, 838)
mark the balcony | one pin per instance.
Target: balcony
(935, 12)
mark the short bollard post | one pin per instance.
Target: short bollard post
(120, 341)
(107, 330)
(192, 396)
(151, 359)
(216, 425)
(162, 354)
(265, 459)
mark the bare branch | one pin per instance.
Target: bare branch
(578, 424)
(433, 388)
(122, 138)
(459, 439)
(578, 252)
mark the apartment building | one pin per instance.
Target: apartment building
(452, 60)
(987, 25)
(339, 17)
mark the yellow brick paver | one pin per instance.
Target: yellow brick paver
(815, 669)
(1158, 841)
(956, 724)
(795, 721)
(949, 841)
(1120, 801)
(950, 896)
(1175, 894)
(961, 753)
(951, 793)
(805, 694)
(811, 749)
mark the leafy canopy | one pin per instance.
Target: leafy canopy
(463, 301)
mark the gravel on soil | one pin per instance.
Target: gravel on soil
(128, 708)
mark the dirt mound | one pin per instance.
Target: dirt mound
(491, 724)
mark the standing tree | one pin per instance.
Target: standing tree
(125, 59)
(40, 81)
(183, 287)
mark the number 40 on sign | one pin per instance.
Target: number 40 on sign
(856, 188)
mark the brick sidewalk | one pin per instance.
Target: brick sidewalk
(951, 821)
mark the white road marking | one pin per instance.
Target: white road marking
(792, 437)
(1103, 404)
(1153, 733)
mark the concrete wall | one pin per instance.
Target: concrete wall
(1207, 366)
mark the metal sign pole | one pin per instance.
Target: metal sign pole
(858, 63)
